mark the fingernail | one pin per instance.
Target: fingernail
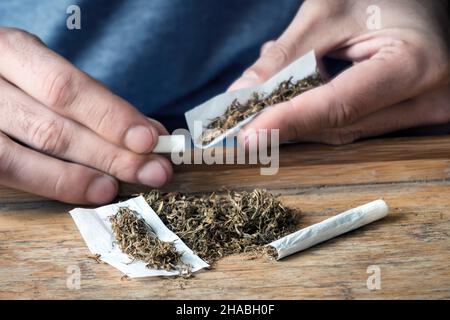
(102, 190)
(152, 174)
(267, 46)
(250, 76)
(248, 79)
(141, 139)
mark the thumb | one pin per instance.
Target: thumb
(366, 87)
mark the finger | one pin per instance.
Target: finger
(363, 48)
(266, 46)
(24, 119)
(30, 171)
(57, 84)
(426, 110)
(274, 56)
(309, 30)
(389, 77)
(162, 131)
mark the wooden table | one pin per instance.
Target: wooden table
(40, 245)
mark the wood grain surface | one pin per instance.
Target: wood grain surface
(40, 245)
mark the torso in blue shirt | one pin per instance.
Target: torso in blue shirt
(164, 56)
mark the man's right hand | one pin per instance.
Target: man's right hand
(65, 136)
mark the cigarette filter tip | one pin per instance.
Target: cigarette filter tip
(170, 144)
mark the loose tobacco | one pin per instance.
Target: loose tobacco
(217, 225)
(238, 111)
(137, 239)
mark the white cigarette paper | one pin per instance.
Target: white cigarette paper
(203, 114)
(330, 228)
(95, 228)
(170, 144)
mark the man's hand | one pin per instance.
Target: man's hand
(400, 77)
(65, 136)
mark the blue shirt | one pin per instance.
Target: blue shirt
(163, 56)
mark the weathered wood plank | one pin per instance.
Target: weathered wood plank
(411, 247)
(306, 165)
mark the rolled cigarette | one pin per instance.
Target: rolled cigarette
(329, 228)
(169, 144)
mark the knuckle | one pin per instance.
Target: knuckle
(59, 187)
(341, 137)
(102, 119)
(266, 45)
(61, 89)
(416, 60)
(71, 184)
(124, 165)
(10, 36)
(277, 51)
(320, 10)
(340, 112)
(411, 59)
(110, 163)
(49, 137)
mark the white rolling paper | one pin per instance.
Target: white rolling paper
(169, 144)
(95, 228)
(299, 69)
(330, 228)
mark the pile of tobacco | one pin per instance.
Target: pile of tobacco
(238, 112)
(213, 226)
(217, 225)
(137, 239)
